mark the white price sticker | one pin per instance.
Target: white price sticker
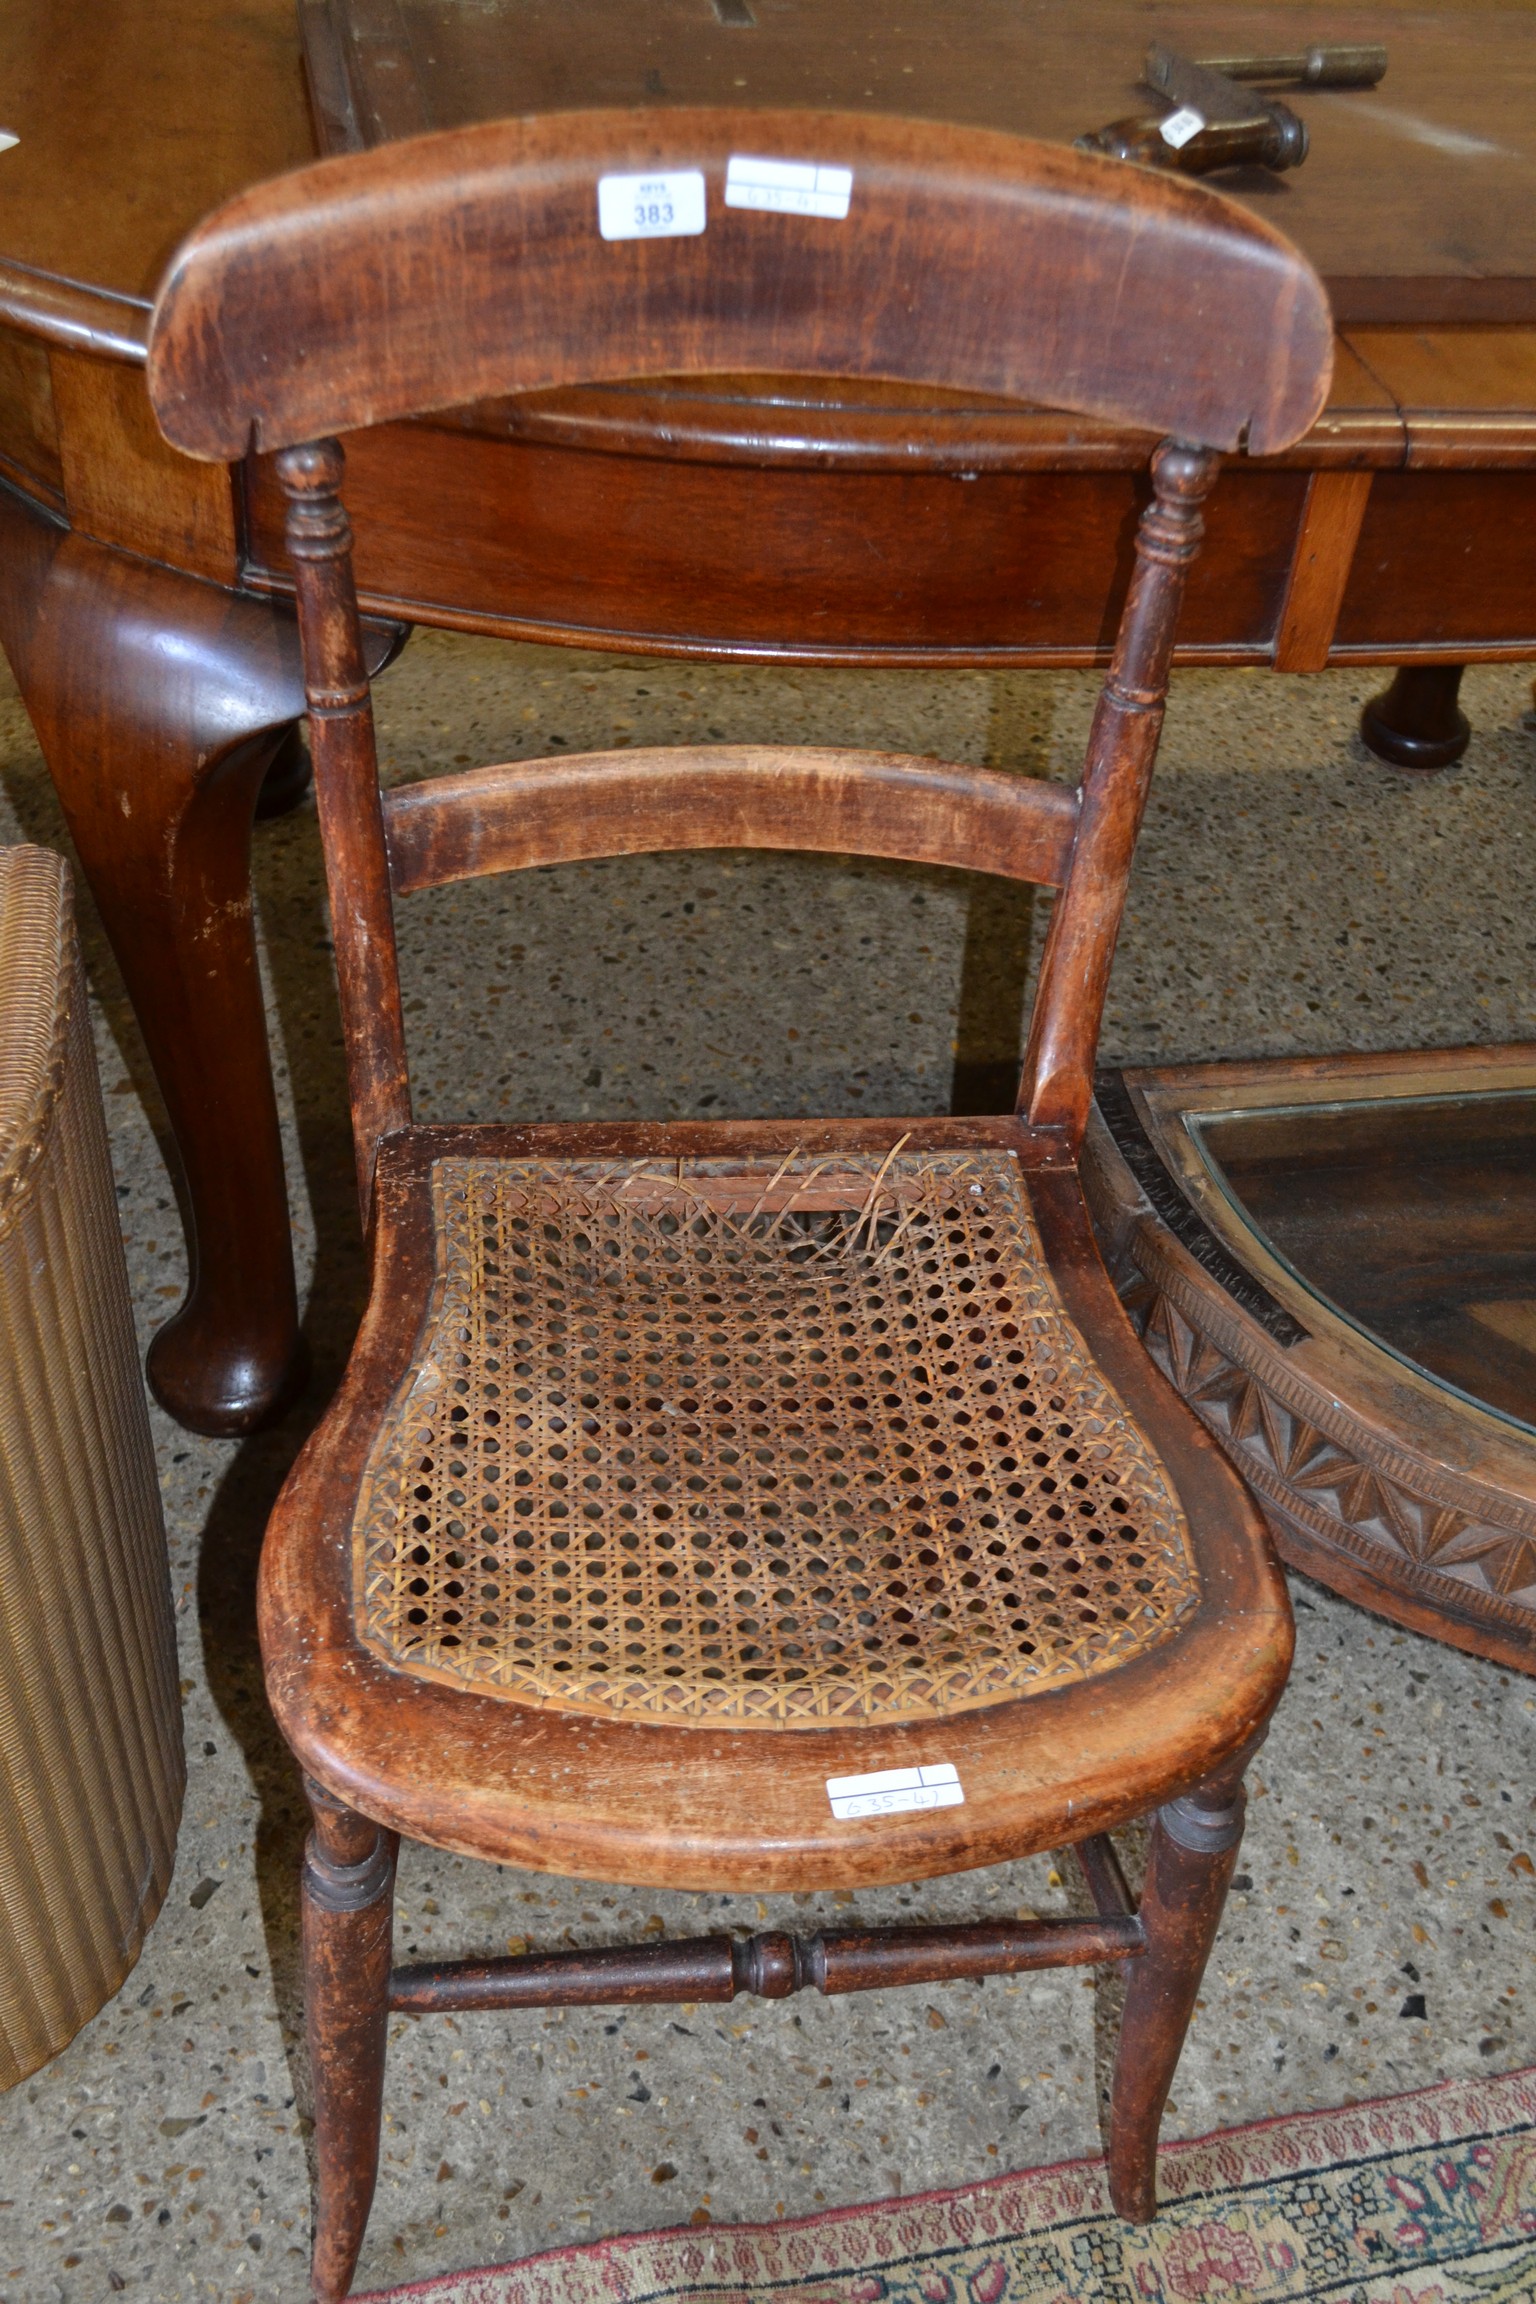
(1179, 126)
(788, 187)
(890, 1791)
(664, 207)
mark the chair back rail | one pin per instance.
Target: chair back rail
(452, 267)
(458, 266)
(631, 803)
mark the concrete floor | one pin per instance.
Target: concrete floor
(1290, 895)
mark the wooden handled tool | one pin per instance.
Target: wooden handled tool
(1219, 120)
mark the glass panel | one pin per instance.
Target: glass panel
(1413, 1217)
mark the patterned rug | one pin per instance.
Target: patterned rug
(1422, 2199)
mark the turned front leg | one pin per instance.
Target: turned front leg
(1190, 1861)
(348, 1894)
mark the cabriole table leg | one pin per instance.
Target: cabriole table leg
(289, 775)
(159, 703)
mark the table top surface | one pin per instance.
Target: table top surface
(133, 121)
(1417, 201)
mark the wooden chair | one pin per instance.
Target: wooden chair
(747, 1505)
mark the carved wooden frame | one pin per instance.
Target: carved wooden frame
(1392, 1489)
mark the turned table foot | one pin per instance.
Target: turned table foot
(1417, 723)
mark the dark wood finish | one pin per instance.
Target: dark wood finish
(158, 766)
(613, 480)
(347, 1894)
(1319, 571)
(1410, 203)
(1100, 1867)
(1417, 722)
(1413, 548)
(1117, 775)
(691, 1806)
(1338, 1276)
(472, 826)
(1190, 1860)
(343, 264)
(155, 111)
(610, 1792)
(1418, 1223)
(1060, 269)
(1014, 567)
(702, 1808)
(347, 798)
(287, 779)
(434, 70)
(772, 1966)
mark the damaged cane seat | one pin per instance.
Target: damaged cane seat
(814, 1444)
(663, 1491)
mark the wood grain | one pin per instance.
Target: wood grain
(690, 1798)
(385, 284)
(484, 274)
(598, 550)
(157, 755)
(124, 486)
(834, 1961)
(1412, 202)
(634, 802)
(346, 767)
(347, 1902)
(1056, 1089)
(909, 525)
(1190, 1860)
(1324, 555)
(29, 424)
(1447, 557)
(195, 100)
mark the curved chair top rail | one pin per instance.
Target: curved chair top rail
(457, 266)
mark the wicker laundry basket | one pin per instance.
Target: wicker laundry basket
(91, 1762)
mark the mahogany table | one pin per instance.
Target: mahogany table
(142, 598)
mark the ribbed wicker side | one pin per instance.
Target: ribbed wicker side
(91, 1763)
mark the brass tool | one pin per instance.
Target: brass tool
(1219, 119)
(1315, 67)
(1216, 101)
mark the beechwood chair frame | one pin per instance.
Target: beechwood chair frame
(390, 283)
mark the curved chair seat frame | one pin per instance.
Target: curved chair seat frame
(432, 272)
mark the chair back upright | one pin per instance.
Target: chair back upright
(570, 248)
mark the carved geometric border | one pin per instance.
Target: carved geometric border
(1420, 1533)
(1327, 1473)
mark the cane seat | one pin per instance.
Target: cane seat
(771, 1445)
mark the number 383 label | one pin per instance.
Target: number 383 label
(669, 206)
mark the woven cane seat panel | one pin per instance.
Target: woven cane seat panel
(770, 1448)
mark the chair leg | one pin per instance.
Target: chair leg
(1191, 1859)
(348, 1903)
